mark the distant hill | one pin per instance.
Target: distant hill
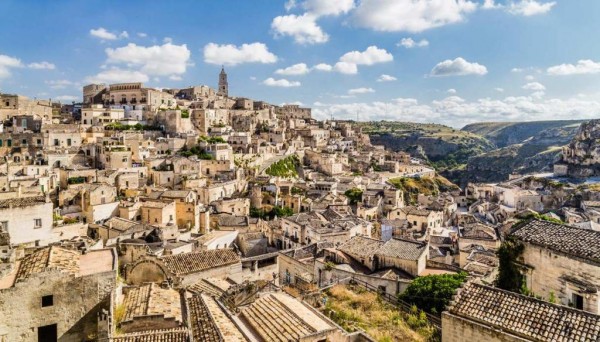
(483, 152)
(504, 134)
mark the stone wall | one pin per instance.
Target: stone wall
(76, 302)
(457, 329)
(564, 276)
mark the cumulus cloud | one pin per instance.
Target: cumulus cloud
(386, 78)
(372, 55)
(409, 43)
(289, 5)
(458, 67)
(116, 75)
(67, 98)
(142, 34)
(41, 65)
(303, 28)
(500, 90)
(346, 68)
(7, 63)
(328, 7)
(584, 66)
(271, 82)
(323, 67)
(362, 90)
(457, 112)
(230, 54)
(490, 4)
(410, 15)
(451, 91)
(296, 69)
(534, 86)
(529, 7)
(157, 60)
(104, 34)
(59, 84)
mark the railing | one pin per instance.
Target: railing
(434, 321)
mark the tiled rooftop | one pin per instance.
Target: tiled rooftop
(22, 202)
(52, 257)
(359, 246)
(150, 300)
(402, 249)
(187, 263)
(527, 317)
(167, 335)
(578, 242)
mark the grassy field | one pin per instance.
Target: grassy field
(355, 308)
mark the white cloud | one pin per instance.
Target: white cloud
(410, 15)
(451, 91)
(360, 91)
(142, 34)
(409, 43)
(7, 63)
(490, 4)
(175, 78)
(458, 67)
(41, 65)
(59, 84)
(372, 55)
(328, 7)
(303, 28)
(67, 98)
(296, 69)
(157, 60)
(323, 67)
(529, 78)
(117, 75)
(168, 40)
(297, 103)
(500, 90)
(386, 78)
(516, 70)
(457, 112)
(345, 68)
(230, 54)
(583, 66)
(289, 5)
(529, 7)
(534, 86)
(271, 82)
(104, 34)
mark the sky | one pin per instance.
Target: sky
(453, 62)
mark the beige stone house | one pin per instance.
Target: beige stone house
(561, 261)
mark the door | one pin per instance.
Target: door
(47, 333)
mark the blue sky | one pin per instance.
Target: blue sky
(446, 61)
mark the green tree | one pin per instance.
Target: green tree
(509, 275)
(354, 195)
(432, 293)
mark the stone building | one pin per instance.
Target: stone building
(223, 84)
(26, 221)
(482, 313)
(562, 261)
(56, 294)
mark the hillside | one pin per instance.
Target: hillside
(483, 152)
(443, 146)
(504, 134)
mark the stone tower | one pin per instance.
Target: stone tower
(223, 85)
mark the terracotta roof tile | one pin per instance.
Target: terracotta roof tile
(187, 263)
(524, 316)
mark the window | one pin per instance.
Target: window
(39, 141)
(47, 300)
(56, 143)
(37, 223)
(68, 142)
(0, 142)
(3, 226)
(9, 143)
(577, 301)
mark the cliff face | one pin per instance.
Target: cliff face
(582, 155)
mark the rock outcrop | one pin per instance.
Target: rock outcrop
(581, 157)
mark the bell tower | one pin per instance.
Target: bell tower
(223, 85)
